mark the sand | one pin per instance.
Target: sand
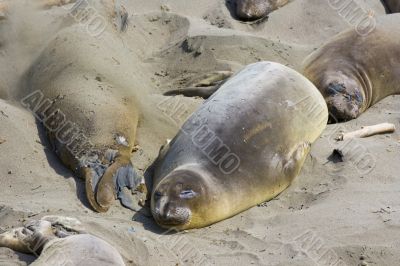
(335, 213)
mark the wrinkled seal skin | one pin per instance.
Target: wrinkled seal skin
(249, 10)
(354, 72)
(267, 115)
(392, 5)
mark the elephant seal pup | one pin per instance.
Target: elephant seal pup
(249, 10)
(243, 146)
(60, 241)
(393, 6)
(354, 72)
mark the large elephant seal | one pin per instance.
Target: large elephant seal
(243, 146)
(393, 6)
(249, 10)
(353, 72)
(60, 240)
(88, 105)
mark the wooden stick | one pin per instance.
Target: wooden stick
(368, 131)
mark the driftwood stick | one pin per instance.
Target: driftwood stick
(368, 131)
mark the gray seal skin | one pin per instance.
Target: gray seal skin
(59, 240)
(392, 5)
(243, 146)
(249, 10)
(353, 72)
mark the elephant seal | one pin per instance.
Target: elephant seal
(243, 146)
(60, 240)
(354, 72)
(249, 10)
(393, 6)
(90, 113)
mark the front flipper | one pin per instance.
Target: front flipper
(29, 239)
(203, 92)
(105, 184)
(296, 158)
(204, 87)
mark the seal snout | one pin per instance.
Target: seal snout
(249, 10)
(168, 213)
(344, 101)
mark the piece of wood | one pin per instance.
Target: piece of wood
(368, 131)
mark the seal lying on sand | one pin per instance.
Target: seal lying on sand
(249, 10)
(90, 113)
(392, 5)
(354, 72)
(60, 241)
(243, 146)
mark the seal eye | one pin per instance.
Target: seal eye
(157, 195)
(187, 194)
(335, 88)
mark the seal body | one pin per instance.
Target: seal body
(393, 6)
(256, 9)
(90, 114)
(82, 249)
(353, 72)
(243, 146)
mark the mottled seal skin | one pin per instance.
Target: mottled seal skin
(354, 72)
(392, 5)
(249, 10)
(243, 146)
(59, 241)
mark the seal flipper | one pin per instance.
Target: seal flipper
(205, 86)
(91, 181)
(117, 176)
(29, 239)
(105, 182)
(14, 240)
(296, 159)
(203, 92)
(129, 178)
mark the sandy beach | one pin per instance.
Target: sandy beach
(338, 211)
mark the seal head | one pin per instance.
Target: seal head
(181, 200)
(343, 95)
(252, 9)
